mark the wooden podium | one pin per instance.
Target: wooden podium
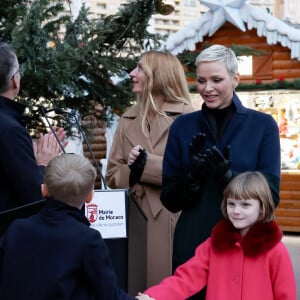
(129, 254)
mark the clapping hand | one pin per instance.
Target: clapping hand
(47, 146)
(218, 165)
(197, 143)
(197, 158)
(197, 163)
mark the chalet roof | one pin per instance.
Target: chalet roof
(239, 13)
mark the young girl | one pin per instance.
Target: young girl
(244, 257)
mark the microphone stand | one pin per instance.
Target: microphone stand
(44, 114)
(73, 114)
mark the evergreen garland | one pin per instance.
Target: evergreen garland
(275, 85)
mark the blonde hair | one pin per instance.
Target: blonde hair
(222, 54)
(164, 76)
(70, 178)
(250, 185)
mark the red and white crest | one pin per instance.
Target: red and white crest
(92, 212)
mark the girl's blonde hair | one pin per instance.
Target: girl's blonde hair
(250, 185)
(164, 76)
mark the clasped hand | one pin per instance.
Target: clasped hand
(136, 161)
(134, 154)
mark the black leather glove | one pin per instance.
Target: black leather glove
(197, 143)
(137, 168)
(218, 165)
(197, 159)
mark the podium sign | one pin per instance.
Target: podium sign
(107, 213)
(123, 226)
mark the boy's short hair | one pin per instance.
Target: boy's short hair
(250, 185)
(70, 178)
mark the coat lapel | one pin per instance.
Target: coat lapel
(159, 126)
(133, 132)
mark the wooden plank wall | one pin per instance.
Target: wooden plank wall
(280, 62)
(277, 65)
(288, 210)
(97, 140)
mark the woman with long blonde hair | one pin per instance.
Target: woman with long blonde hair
(136, 155)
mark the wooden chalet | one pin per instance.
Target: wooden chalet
(236, 22)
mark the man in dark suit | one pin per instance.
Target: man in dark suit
(22, 162)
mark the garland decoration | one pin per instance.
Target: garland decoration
(259, 86)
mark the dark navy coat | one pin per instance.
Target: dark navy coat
(54, 255)
(20, 177)
(255, 146)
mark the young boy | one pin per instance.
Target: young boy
(54, 254)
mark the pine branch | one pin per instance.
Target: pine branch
(74, 69)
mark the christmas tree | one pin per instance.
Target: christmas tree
(71, 63)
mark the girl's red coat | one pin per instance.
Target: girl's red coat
(256, 266)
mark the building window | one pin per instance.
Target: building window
(101, 5)
(245, 65)
(191, 3)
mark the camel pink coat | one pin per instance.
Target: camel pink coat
(161, 222)
(255, 267)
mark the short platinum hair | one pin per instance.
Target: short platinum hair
(219, 53)
(8, 65)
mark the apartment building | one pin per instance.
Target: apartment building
(184, 12)
(101, 8)
(282, 9)
(187, 10)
